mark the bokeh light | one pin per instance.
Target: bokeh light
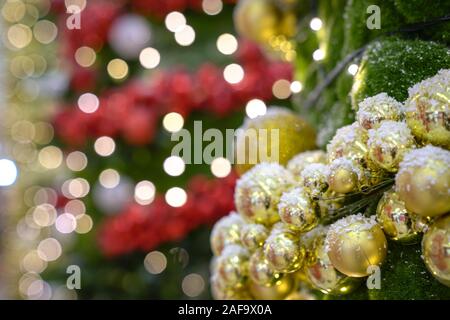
(88, 102)
(176, 197)
(193, 285)
(144, 192)
(109, 178)
(50, 157)
(185, 36)
(175, 21)
(49, 249)
(155, 262)
(104, 146)
(255, 108)
(173, 122)
(149, 58)
(174, 166)
(220, 167)
(212, 7)
(76, 161)
(281, 89)
(233, 73)
(227, 44)
(8, 172)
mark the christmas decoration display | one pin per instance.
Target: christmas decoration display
(374, 184)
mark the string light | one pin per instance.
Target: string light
(296, 86)
(109, 178)
(117, 69)
(84, 224)
(50, 157)
(144, 192)
(227, 44)
(174, 166)
(316, 24)
(185, 36)
(318, 55)
(281, 89)
(352, 69)
(173, 122)
(175, 21)
(88, 102)
(66, 223)
(255, 107)
(85, 56)
(8, 171)
(212, 7)
(155, 262)
(193, 285)
(104, 146)
(49, 249)
(233, 73)
(76, 161)
(149, 58)
(176, 197)
(220, 167)
(45, 31)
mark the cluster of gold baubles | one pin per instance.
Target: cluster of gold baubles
(275, 246)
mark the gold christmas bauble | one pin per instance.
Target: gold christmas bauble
(232, 266)
(300, 295)
(314, 179)
(283, 250)
(388, 143)
(435, 249)
(253, 236)
(428, 109)
(373, 110)
(423, 181)
(397, 222)
(346, 176)
(355, 243)
(226, 231)
(278, 291)
(324, 277)
(301, 160)
(276, 136)
(312, 241)
(297, 210)
(262, 20)
(259, 190)
(221, 292)
(349, 142)
(260, 271)
(329, 202)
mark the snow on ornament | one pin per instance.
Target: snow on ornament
(226, 231)
(297, 210)
(301, 160)
(428, 109)
(129, 34)
(423, 181)
(373, 110)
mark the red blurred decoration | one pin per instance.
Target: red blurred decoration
(144, 228)
(133, 110)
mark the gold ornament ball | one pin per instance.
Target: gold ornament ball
(428, 111)
(262, 20)
(345, 175)
(423, 181)
(397, 222)
(324, 277)
(301, 160)
(260, 271)
(278, 291)
(350, 142)
(283, 251)
(232, 266)
(226, 231)
(435, 249)
(259, 190)
(373, 110)
(221, 292)
(297, 210)
(388, 143)
(276, 136)
(314, 178)
(330, 202)
(253, 236)
(355, 243)
(312, 241)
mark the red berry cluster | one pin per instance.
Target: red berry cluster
(146, 227)
(133, 110)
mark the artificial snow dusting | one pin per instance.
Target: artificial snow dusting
(435, 158)
(345, 135)
(430, 88)
(372, 109)
(291, 198)
(263, 170)
(234, 250)
(344, 163)
(315, 171)
(353, 223)
(229, 220)
(388, 131)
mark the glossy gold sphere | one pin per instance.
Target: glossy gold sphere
(278, 291)
(276, 136)
(373, 110)
(354, 244)
(423, 181)
(428, 111)
(297, 210)
(345, 175)
(226, 231)
(260, 271)
(397, 222)
(435, 249)
(301, 160)
(232, 266)
(258, 192)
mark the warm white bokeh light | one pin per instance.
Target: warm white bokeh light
(220, 167)
(227, 44)
(318, 55)
(352, 69)
(88, 102)
(212, 7)
(149, 58)
(175, 21)
(281, 89)
(109, 178)
(155, 262)
(233, 73)
(104, 146)
(173, 122)
(296, 86)
(176, 197)
(174, 166)
(144, 192)
(185, 36)
(76, 161)
(49, 249)
(255, 107)
(316, 24)
(66, 223)
(8, 172)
